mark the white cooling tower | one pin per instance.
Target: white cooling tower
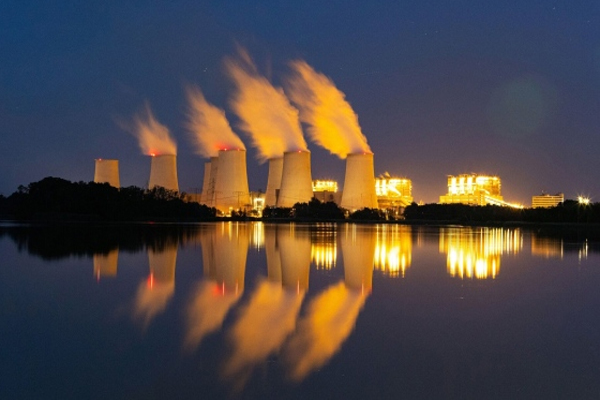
(204, 197)
(296, 180)
(107, 171)
(231, 186)
(359, 183)
(163, 172)
(273, 181)
(358, 252)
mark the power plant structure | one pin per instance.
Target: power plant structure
(107, 171)
(163, 172)
(231, 183)
(273, 181)
(359, 182)
(296, 181)
(204, 197)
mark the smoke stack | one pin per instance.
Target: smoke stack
(359, 183)
(296, 180)
(274, 180)
(107, 171)
(231, 186)
(163, 172)
(204, 197)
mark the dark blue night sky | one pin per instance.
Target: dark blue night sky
(440, 88)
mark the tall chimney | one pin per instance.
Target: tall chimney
(107, 171)
(163, 172)
(359, 183)
(296, 180)
(273, 181)
(231, 186)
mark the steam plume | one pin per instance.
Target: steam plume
(331, 121)
(265, 112)
(209, 127)
(153, 137)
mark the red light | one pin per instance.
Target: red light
(151, 281)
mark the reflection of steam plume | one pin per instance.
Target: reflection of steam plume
(329, 320)
(105, 265)
(154, 294)
(358, 250)
(332, 122)
(294, 247)
(263, 325)
(265, 112)
(153, 137)
(224, 252)
(208, 126)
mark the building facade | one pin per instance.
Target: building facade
(473, 189)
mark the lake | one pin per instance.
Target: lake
(296, 311)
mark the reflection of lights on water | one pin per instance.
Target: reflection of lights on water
(476, 253)
(323, 255)
(393, 250)
(583, 251)
(258, 235)
(547, 248)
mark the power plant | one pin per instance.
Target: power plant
(107, 171)
(359, 182)
(204, 197)
(163, 172)
(231, 185)
(296, 181)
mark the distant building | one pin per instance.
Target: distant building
(393, 193)
(547, 200)
(473, 189)
(326, 190)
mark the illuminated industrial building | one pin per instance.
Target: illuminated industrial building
(546, 200)
(393, 193)
(326, 190)
(472, 189)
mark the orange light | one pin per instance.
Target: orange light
(151, 281)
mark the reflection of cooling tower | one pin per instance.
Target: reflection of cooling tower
(272, 253)
(296, 180)
(204, 197)
(358, 251)
(107, 171)
(105, 265)
(294, 247)
(359, 183)
(231, 186)
(274, 180)
(163, 172)
(162, 264)
(230, 249)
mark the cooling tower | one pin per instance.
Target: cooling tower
(107, 171)
(294, 247)
(296, 180)
(163, 172)
(359, 183)
(272, 254)
(105, 265)
(273, 181)
(358, 252)
(204, 197)
(231, 186)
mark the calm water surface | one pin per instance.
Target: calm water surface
(251, 310)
